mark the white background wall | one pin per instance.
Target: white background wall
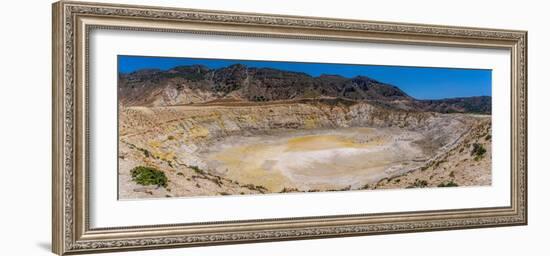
(25, 148)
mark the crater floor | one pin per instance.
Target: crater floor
(315, 159)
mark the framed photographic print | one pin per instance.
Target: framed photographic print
(178, 127)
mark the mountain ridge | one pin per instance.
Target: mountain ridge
(200, 84)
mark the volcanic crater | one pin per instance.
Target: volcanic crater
(240, 130)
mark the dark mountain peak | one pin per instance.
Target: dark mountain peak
(278, 73)
(237, 66)
(190, 69)
(334, 81)
(139, 75)
(229, 71)
(238, 70)
(368, 88)
(230, 78)
(145, 72)
(330, 76)
(363, 80)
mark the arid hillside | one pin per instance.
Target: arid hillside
(198, 84)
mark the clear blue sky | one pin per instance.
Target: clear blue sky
(419, 82)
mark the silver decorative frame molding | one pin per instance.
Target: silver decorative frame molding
(72, 22)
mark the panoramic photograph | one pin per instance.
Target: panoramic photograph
(217, 127)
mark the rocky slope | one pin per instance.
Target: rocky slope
(173, 139)
(479, 104)
(463, 164)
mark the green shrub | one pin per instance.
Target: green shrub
(145, 152)
(418, 184)
(447, 184)
(478, 151)
(289, 190)
(438, 163)
(311, 93)
(197, 170)
(149, 176)
(258, 188)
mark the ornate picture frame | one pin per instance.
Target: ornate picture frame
(72, 23)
